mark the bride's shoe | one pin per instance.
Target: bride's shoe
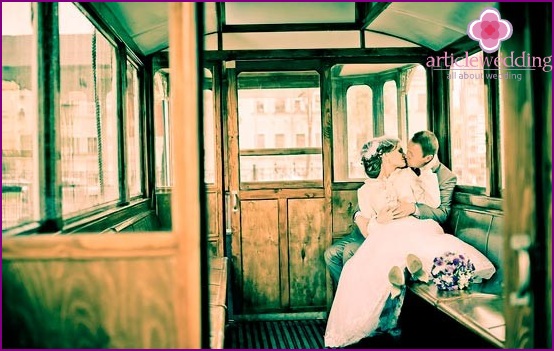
(397, 280)
(415, 267)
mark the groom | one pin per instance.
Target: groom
(421, 155)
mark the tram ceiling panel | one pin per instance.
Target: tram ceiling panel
(263, 26)
(432, 25)
(145, 24)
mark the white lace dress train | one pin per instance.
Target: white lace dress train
(364, 287)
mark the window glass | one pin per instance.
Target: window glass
(133, 132)
(279, 126)
(359, 117)
(467, 125)
(391, 108)
(162, 137)
(417, 100)
(280, 168)
(19, 116)
(88, 120)
(209, 130)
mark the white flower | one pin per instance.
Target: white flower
(463, 280)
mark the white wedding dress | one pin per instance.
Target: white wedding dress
(358, 310)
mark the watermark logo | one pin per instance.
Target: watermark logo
(489, 30)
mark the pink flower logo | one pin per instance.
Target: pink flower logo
(489, 30)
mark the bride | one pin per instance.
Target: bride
(374, 275)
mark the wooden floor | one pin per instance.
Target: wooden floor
(287, 334)
(290, 334)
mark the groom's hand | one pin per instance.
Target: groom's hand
(403, 209)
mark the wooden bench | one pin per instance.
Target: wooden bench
(479, 309)
(218, 295)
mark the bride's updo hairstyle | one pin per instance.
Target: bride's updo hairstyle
(372, 153)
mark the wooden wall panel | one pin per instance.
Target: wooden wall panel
(260, 255)
(163, 204)
(213, 247)
(345, 203)
(212, 205)
(306, 247)
(99, 303)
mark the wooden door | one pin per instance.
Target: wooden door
(527, 114)
(279, 224)
(140, 290)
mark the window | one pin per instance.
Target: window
(260, 141)
(417, 100)
(300, 140)
(87, 61)
(391, 108)
(359, 123)
(283, 115)
(280, 141)
(133, 131)
(19, 117)
(162, 137)
(209, 130)
(467, 124)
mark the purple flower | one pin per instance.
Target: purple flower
(452, 271)
(489, 30)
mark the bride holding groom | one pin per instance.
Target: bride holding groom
(397, 211)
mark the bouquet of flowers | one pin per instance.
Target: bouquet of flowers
(452, 271)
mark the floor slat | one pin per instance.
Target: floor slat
(290, 334)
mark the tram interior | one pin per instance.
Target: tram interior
(124, 228)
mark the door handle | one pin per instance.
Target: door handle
(235, 197)
(521, 243)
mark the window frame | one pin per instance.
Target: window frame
(51, 220)
(493, 165)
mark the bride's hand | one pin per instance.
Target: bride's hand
(386, 215)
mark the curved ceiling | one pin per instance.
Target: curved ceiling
(285, 25)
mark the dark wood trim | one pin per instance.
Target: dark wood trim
(48, 98)
(327, 145)
(159, 60)
(218, 150)
(291, 184)
(281, 152)
(378, 108)
(148, 132)
(439, 112)
(232, 167)
(220, 18)
(281, 193)
(350, 185)
(523, 108)
(283, 231)
(367, 55)
(374, 11)
(361, 11)
(97, 222)
(121, 116)
(460, 46)
(340, 125)
(288, 27)
(492, 129)
(279, 65)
